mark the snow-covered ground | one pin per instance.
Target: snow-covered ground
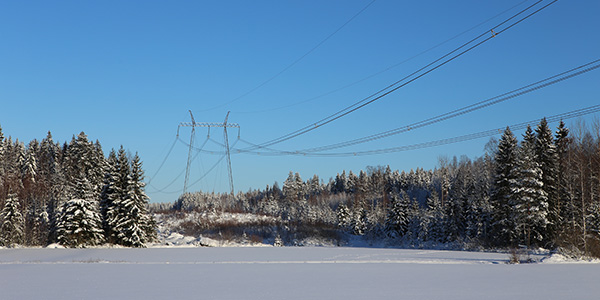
(287, 273)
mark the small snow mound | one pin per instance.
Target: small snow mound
(178, 239)
(55, 246)
(208, 242)
(557, 258)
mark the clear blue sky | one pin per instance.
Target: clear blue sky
(127, 72)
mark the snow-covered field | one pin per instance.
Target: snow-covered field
(287, 273)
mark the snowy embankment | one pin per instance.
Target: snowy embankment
(286, 273)
(169, 236)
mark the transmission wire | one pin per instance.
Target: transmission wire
(358, 105)
(467, 109)
(472, 136)
(384, 70)
(293, 63)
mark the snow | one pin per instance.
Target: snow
(287, 273)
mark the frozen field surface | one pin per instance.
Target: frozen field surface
(287, 273)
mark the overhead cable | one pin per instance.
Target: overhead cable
(295, 61)
(405, 81)
(467, 109)
(384, 70)
(462, 138)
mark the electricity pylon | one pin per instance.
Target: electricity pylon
(193, 124)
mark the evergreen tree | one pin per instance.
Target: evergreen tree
(547, 157)
(417, 223)
(343, 217)
(30, 166)
(293, 187)
(140, 216)
(565, 197)
(79, 224)
(11, 230)
(126, 219)
(116, 203)
(502, 195)
(109, 194)
(478, 211)
(398, 216)
(314, 186)
(2, 161)
(83, 158)
(531, 201)
(436, 230)
(41, 223)
(352, 183)
(360, 220)
(461, 192)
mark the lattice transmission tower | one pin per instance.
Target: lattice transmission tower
(223, 125)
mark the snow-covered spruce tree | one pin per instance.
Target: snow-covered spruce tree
(436, 230)
(352, 183)
(398, 216)
(30, 168)
(109, 194)
(565, 194)
(360, 220)
(79, 224)
(124, 203)
(478, 211)
(547, 157)
(118, 207)
(84, 158)
(417, 224)
(462, 190)
(340, 184)
(41, 225)
(531, 206)
(293, 187)
(343, 217)
(2, 157)
(502, 198)
(11, 230)
(136, 193)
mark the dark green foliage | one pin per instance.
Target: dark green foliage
(79, 224)
(126, 220)
(398, 216)
(11, 228)
(547, 157)
(502, 198)
(64, 189)
(530, 211)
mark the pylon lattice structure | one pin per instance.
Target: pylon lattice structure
(194, 124)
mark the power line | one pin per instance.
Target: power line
(164, 160)
(470, 108)
(396, 85)
(295, 62)
(457, 139)
(384, 70)
(211, 168)
(433, 120)
(177, 138)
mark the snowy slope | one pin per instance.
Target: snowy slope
(286, 273)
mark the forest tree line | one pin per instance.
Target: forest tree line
(539, 192)
(71, 194)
